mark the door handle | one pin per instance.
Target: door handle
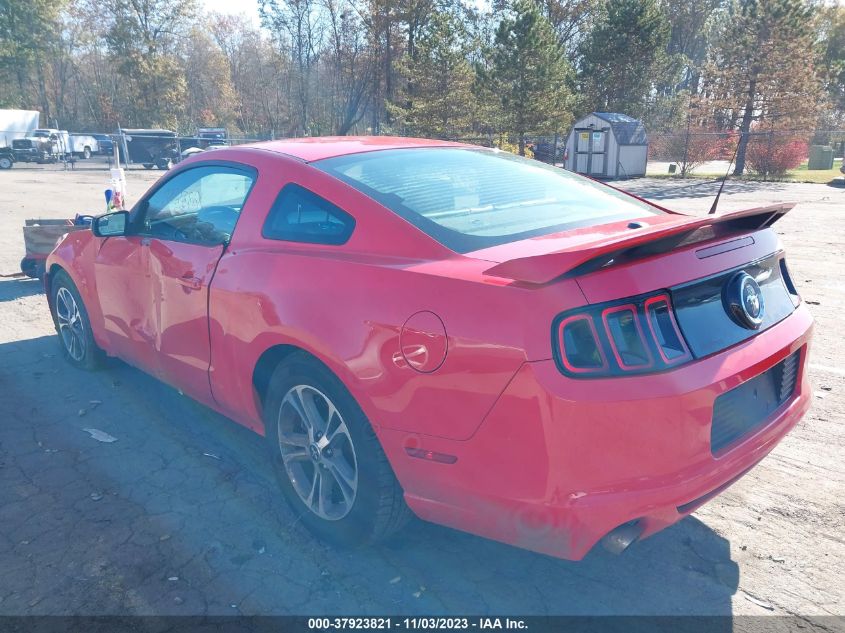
(189, 281)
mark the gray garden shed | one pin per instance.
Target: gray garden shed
(607, 145)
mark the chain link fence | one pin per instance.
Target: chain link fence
(139, 148)
(684, 152)
(767, 153)
(549, 148)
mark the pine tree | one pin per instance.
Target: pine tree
(527, 75)
(832, 68)
(437, 99)
(624, 56)
(761, 73)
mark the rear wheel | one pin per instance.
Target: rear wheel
(86, 153)
(73, 325)
(328, 460)
(5, 162)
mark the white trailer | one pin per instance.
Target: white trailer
(16, 124)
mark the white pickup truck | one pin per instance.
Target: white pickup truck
(80, 145)
(83, 145)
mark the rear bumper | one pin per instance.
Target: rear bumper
(558, 463)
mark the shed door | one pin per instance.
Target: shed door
(591, 151)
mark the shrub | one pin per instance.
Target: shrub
(513, 148)
(774, 156)
(703, 145)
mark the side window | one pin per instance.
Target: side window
(199, 205)
(298, 215)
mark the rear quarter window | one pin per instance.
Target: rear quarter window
(300, 215)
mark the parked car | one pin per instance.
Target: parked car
(105, 143)
(492, 343)
(34, 150)
(213, 136)
(7, 158)
(206, 138)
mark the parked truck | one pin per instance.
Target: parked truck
(7, 158)
(59, 141)
(34, 149)
(83, 145)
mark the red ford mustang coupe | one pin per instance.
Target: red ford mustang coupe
(424, 327)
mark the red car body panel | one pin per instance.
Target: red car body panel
(442, 355)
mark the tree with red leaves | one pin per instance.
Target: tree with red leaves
(770, 155)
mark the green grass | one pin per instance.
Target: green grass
(799, 174)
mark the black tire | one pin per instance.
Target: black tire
(148, 165)
(32, 268)
(91, 356)
(5, 162)
(86, 153)
(379, 508)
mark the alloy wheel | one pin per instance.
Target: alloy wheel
(71, 328)
(317, 452)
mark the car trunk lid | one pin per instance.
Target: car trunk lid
(580, 252)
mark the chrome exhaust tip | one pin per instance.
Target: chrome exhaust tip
(619, 539)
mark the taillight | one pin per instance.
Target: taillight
(579, 338)
(790, 285)
(625, 335)
(634, 336)
(665, 331)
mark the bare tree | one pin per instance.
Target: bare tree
(297, 26)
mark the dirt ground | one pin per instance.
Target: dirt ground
(180, 515)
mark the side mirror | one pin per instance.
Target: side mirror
(110, 224)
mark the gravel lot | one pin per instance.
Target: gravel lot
(181, 516)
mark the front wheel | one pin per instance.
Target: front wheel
(73, 326)
(5, 162)
(328, 460)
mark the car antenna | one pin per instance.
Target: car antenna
(722, 186)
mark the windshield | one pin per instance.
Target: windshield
(469, 199)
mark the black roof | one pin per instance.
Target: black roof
(147, 132)
(627, 130)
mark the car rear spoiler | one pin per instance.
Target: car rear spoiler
(637, 243)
